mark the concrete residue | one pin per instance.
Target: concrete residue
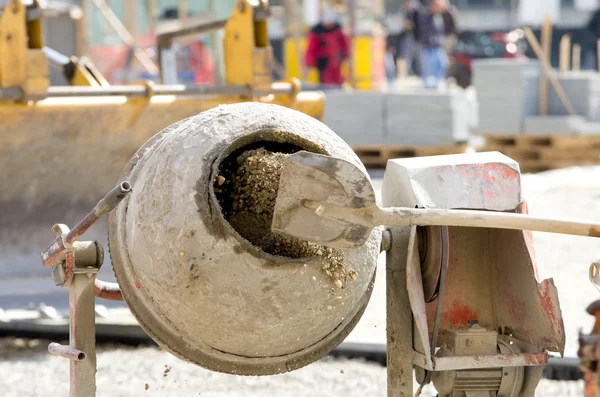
(250, 202)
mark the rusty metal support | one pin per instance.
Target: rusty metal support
(76, 264)
(54, 253)
(107, 291)
(399, 317)
(82, 332)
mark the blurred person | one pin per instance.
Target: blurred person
(327, 49)
(432, 25)
(390, 62)
(410, 48)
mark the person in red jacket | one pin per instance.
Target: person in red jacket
(327, 49)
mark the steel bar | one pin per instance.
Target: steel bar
(66, 351)
(107, 291)
(52, 254)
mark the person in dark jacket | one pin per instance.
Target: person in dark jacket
(410, 47)
(327, 48)
(432, 24)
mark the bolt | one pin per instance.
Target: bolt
(473, 323)
(386, 240)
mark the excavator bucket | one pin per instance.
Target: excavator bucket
(61, 148)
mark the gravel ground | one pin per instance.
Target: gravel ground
(125, 371)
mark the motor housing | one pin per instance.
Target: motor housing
(488, 382)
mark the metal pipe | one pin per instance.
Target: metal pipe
(180, 89)
(280, 88)
(165, 38)
(52, 254)
(66, 351)
(127, 90)
(107, 291)
(55, 58)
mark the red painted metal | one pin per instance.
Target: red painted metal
(107, 291)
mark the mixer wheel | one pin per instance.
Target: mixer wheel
(431, 250)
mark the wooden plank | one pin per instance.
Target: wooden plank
(376, 156)
(533, 166)
(565, 54)
(581, 153)
(598, 54)
(556, 164)
(373, 162)
(552, 141)
(436, 151)
(546, 38)
(547, 68)
(576, 58)
(516, 153)
(575, 141)
(501, 140)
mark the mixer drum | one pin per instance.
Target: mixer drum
(201, 290)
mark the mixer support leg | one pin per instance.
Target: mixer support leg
(399, 317)
(83, 332)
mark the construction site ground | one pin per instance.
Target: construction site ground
(125, 371)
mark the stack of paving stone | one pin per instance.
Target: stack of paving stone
(551, 125)
(428, 118)
(357, 117)
(582, 89)
(420, 118)
(508, 92)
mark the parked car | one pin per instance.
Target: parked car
(479, 45)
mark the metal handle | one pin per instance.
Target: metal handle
(54, 253)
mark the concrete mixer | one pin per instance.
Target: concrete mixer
(200, 263)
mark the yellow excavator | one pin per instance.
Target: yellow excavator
(52, 136)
